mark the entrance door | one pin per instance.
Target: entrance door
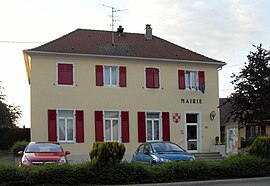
(192, 132)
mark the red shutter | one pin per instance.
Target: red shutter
(79, 126)
(52, 132)
(181, 79)
(99, 125)
(156, 78)
(201, 81)
(141, 127)
(65, 74)
(166, 126)
(122, 76)
(149, 77)
(99, 75)
(125, 126)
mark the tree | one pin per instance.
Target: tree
(251, 100)
(9, 114)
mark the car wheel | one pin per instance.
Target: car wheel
(153, 163)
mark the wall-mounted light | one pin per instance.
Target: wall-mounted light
(212, 115)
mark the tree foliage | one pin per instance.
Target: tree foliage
(251, 100)
(9, 114)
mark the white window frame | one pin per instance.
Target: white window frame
(153, 127)
(111, 126)
(73, 73)
(110, 76)
(159, 74)
(58, 126)
(189, 85)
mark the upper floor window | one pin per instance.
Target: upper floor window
(111, 75)
(65, 74)
(114, 76)
(152, 77)
(191, 80)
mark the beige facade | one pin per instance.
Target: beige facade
(86, 96)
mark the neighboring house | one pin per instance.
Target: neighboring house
(86, 87)
(236, 135)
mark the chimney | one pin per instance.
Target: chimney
(148, 31)
(120, 30)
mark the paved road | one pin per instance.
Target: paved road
(263, 181)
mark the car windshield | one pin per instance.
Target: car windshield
(166, 147)
(43, 147)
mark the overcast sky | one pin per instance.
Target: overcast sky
(221, 29)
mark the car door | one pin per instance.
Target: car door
(137, 157)
(146, 156)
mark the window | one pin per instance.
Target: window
(191, 80)
(112, 126)
(66, 126)
(112, 76)
(111, 123)
(153, 126)
(65, 74)
(152, 77)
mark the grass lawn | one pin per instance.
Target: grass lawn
(5, 153)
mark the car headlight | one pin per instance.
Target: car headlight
(25, 161)
(63, 160)
(192, 157)
(165, 160)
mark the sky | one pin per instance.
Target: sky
(225, 30)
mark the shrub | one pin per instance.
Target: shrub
(18, 146)
(261, 147)
(107, 153)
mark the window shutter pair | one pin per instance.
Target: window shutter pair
(124, 126)
(65, 74)
(152, 77)
(142, 126)
(181, 80)
(122, 76)
(52, 126)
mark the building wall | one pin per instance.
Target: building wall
(86, 96)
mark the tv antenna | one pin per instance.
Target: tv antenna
(113, 18)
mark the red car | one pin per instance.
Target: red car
(40, 153)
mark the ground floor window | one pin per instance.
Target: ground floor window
(66, 125)
(112, 122)
(153, 126)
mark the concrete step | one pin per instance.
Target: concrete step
(208, 156)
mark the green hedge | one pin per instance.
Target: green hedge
(132, 173)
(10, 136)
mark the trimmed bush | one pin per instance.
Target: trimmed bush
(18, 146)
(261, 147)
(107, 153)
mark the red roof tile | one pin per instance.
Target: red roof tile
(96, 42)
